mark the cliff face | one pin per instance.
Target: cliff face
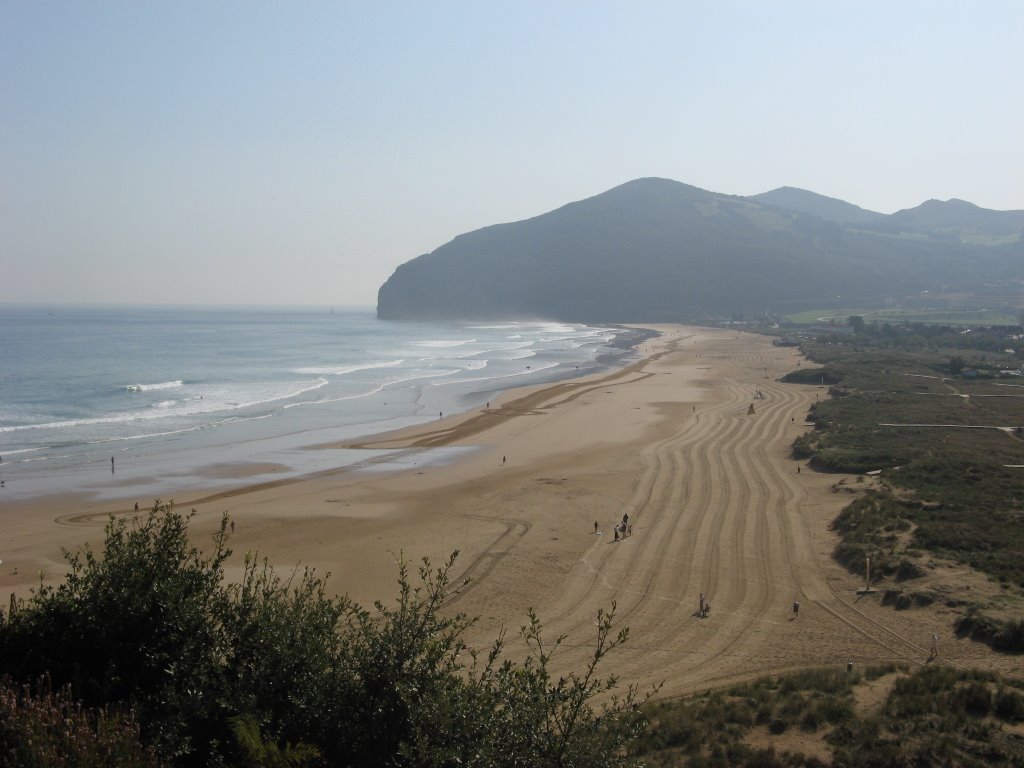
(658, 250)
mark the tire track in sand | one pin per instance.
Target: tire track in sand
(714, 507)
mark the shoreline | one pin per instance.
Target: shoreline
(84, 510)
(628, 338)
(242, 453)
(712, 493)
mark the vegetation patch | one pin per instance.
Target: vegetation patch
(870, 527)
(936, 716)
(1007, 636)
(40, 727)
(946, 444)
(954, 317)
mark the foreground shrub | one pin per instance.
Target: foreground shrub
(138, 626)
(274, 671)
(51, 730)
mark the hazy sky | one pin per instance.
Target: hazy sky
(297, 152)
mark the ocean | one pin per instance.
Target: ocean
(122, 401)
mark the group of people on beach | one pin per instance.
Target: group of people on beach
(622, 530)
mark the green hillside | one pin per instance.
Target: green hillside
(658, 250)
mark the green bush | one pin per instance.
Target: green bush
(1006, 636)
(819, 376)
(1009, 705)
(136, 627)
(238, 673)
(803, 446)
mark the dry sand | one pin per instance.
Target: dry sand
(714, 499)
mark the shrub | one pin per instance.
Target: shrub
(1006, 636)
(136, 628)
(234, 674)
(1009, 705)
(43, 729)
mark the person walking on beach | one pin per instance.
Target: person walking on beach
(700, 605)
(796, 608)
(111, 465)
(595, 527)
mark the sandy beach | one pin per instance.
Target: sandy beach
(715, 502)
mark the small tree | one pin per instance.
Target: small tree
(135, 627)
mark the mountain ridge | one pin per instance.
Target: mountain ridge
(805, 201)
(654, 249)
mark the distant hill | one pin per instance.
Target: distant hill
(658, 250)
(954, 218)
(827, 208)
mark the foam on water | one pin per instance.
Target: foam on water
(443, 343)
(222, 398)
(154, 387)
(206, 383)
(531, 370)
(345, 369)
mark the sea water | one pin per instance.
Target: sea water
(116, 401)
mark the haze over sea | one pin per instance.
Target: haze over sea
(197, 398)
